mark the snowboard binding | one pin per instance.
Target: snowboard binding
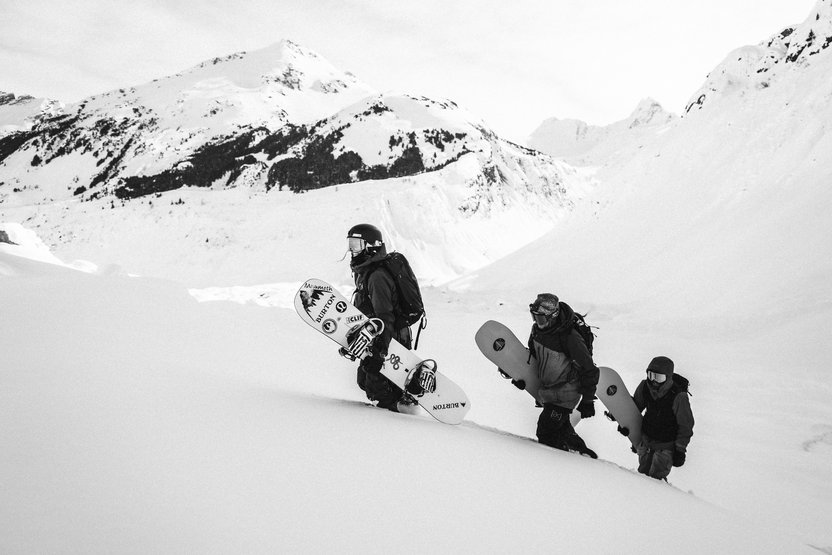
(361, 339)
(422, 379)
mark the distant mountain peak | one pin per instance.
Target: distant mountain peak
(648, 111)
(580, 143)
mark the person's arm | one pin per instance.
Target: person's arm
(684, 418)
(588, 373)
(639, 396)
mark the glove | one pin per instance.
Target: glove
(373, 364)
(678, 457)
(519, 384)
(587, 409)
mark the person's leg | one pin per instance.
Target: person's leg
(645, 458)
(662, 464)
(551, 426)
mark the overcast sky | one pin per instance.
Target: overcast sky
(512, 63)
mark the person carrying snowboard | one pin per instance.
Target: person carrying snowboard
(566, 371)
(667, 425)
(376, 295)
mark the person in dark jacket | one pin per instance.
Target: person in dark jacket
(375, 296)
(668, 421)
(568, 376)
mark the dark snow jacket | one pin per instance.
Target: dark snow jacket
(668, 420)
(376, 296)
(563, 362)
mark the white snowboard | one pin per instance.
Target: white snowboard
(613, 393)
(321, 306)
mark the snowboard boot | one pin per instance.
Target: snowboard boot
(407, 405)
(389, 405)
(423, 379)
(576, 444)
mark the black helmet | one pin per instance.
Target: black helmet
(364, 238)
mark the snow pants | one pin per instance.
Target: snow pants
(376, 386)
(555, 430)
(655, 463)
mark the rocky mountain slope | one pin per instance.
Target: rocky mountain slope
(281, 117)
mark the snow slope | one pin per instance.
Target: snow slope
(138, 420)
(450, 222)
(711, 245)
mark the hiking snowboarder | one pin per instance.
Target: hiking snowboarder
(377, 295)
(667, 425)
(566, 371)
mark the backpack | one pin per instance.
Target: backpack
(584, 329)
(681, 384)
(410, 308)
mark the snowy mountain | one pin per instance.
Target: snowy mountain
(246, 128)
(279, 117)
(739, 187)
(148, 129)
(757, 67)
(581, 144)
(21, 113)
(141, 418)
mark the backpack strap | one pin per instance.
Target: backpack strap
(423, 323)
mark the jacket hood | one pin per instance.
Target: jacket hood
(360, 263)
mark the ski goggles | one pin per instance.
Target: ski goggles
(538, 310)
(656, 377)
(542, 316)
(356, 244)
